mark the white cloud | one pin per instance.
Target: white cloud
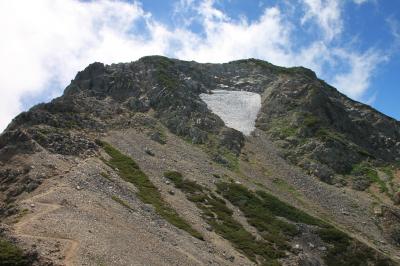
(394, 26)
(358, 78)
(227, 40)
(48, 41)
(359, 2)
(327, 14)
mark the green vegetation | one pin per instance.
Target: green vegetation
(185, 185)
(388, 170)
(122, 202)
(164, 70)
(219, 216)
(310, 120)
(221, 154)
(163, 64)
(232, 159)
(105, 175)
(364, 169)
(277, 69)
(364, 153)
(281, 128)
(148, 193)
(327, 134)
(262, 209)
(347, 252)
(285, 131)
(262, 64)
(265, 213)
(11, 255)
(283, 185)
(159, 135)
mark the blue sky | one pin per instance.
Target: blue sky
(352, 44)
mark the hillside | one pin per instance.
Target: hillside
(137, 163)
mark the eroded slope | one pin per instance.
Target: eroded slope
(63, 196)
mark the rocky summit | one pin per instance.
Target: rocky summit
(138, 164)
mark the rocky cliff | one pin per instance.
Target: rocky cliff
(316, 182)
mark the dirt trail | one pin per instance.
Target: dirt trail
(70, 253)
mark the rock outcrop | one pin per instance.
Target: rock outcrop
(152, 109)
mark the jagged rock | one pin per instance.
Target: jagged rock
(137, 105)
(319, 170)
(390, 223)
(15, 190)
(312, 124)
(32, 185)
(157, 137)
(232, 140)
(149, 151)
(396, 198)
(197, 136)
(220, 159)
(395, 235)
(308, 261)
(305, 116)
(360, 183)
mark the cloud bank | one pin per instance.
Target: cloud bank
(45, 42)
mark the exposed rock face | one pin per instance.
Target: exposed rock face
(148, 106)
(320, 124)
(317, 127)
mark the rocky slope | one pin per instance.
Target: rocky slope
(130, 166)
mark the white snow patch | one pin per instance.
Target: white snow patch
(238, 109)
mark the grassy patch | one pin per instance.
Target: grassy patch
(388, 170)
(164, 77)
(233, 161)
(219, 216)
(11, 255)
(348, 252)
(326, 134)
(311, 120)
(287, 131)
(122, 202)
(283, 185)
(147, 192)
(278, 69)
(281, 128)
(282, 209)
(220, 154)
(262, 209)
(366, 170)
(185, 185)
(364, 153)
(164, 70)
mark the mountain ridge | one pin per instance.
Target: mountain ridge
(306, 132)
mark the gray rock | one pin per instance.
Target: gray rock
(149, 151)
(396, 198)
(157, 137)
(360, 183)
(138, 105)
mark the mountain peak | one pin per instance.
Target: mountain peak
(178, 143)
